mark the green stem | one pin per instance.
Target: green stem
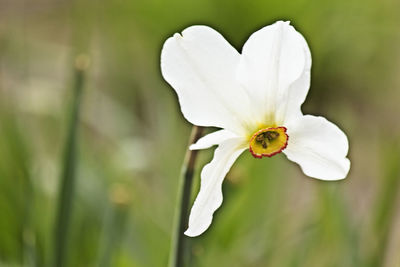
(179, 246)
(68, 175)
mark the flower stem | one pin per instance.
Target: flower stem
(179, 245)
(68, 174)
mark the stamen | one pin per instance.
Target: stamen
(268, 142)
(271, 135)
(260, 137)
(264, 144)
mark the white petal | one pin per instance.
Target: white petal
(212, 139)
(275, 68)
(210, 196)
(201, 66)
(319, 147)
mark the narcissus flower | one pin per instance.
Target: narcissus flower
(256, 98)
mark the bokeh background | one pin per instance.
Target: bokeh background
(131, 137)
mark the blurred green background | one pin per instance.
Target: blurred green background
(132, 138)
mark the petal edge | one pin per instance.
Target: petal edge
(319, 147)
(210, 197)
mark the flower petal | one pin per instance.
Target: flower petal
(210, 196)
(275, 68)
(201, 66)
(212, 139)
(319, 147)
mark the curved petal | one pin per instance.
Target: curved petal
(275, 68)
(212, 139)
(319, 147)
(201, 66)
(210, 196)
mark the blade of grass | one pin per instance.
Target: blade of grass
(114, 224)
(179, 245)
(386, 205)
(68, 174)
(17, 191)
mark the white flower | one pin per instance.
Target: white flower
(256, 98)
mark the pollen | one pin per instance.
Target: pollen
(268, 142)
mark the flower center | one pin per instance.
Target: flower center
(268, 142)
